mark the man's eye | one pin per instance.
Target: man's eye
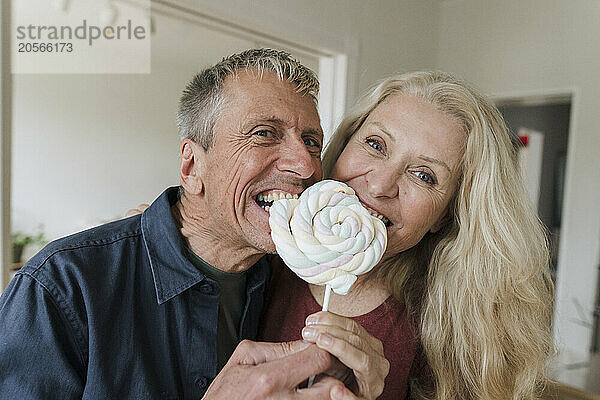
(263, 133)
(311, 142)
(375, 144)
(425, 177)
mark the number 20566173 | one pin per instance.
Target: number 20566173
(45, 47)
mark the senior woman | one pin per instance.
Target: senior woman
(462, 298)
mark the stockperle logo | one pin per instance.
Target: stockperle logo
(81, 36)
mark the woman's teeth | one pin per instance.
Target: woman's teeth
(383, 218)
(265, 200)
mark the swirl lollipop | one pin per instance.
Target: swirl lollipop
(327, 237)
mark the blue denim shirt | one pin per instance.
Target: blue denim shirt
(116, 312)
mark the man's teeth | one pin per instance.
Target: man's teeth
(266, 200)
(275, 196)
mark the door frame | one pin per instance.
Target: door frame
(5, 144)
(567, 362)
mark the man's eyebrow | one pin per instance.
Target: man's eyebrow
(435, 161)
(258, 120)
(279, 123)
(313, 132)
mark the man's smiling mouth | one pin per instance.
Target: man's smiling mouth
(265, 199)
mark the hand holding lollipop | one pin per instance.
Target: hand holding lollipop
(327, 237)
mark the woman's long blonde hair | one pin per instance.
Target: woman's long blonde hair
(480, 288)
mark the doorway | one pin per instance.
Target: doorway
(551, 118)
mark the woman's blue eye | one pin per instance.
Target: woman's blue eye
(425, 177)
(375, 144)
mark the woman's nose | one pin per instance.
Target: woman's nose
(382, 182)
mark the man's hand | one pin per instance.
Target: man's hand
(353, 346)
(274, 371)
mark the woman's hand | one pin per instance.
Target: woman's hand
(353, 346)
(135, 211)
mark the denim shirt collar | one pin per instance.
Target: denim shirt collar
(173, 273)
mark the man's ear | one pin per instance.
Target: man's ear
(189, 168)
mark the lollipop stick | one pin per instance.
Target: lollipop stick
(327, 296)
(325, 306)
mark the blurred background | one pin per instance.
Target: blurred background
(81, 149)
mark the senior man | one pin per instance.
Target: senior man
(154, 306)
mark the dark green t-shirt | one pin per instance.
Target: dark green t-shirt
(231, 306)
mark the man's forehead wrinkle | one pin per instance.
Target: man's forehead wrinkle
(267, 107)
(271, 113)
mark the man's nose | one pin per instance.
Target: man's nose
(382, 182)
(296, 159)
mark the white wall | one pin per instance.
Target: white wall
(524, 47)
(86, 148)
(391, 35)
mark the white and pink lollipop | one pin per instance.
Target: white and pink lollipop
(327, 237)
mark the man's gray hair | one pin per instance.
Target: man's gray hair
(203, 97)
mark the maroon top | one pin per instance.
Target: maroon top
(291, 301)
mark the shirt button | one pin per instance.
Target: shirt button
(202, 382)
(207, 288)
